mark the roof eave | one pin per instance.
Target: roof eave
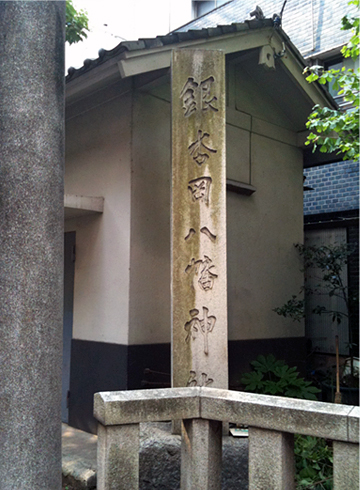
(127, 62)
(133, 59)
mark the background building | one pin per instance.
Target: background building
(331, 207)
(117, 203)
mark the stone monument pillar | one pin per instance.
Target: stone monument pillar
(31, 250)
(199, 285)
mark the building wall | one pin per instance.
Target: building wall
(122, 320)
(335, 188)
(263, 267)
(98, 164)
(98, 155)
(334, 203)
(348, 222)
(313, 26)
(353, 274)
(150, 221)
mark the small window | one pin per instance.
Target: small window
(201, 7)
(338, 64)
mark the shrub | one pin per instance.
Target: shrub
(274, 377)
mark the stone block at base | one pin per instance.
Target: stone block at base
(159, 459)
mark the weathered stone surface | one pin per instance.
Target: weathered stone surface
(328, 420)
(31, 254)
(346, 466)
(160, 459)
(78, 457)
(118, 457)
(319, 419)
(353, 418)
(272, 421)
(199, 285)
(271, 460)
(201, 454)
(131, 407)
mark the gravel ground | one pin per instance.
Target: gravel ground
(71, 485)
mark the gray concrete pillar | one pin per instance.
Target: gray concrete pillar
(271, 460)
(118, 457)
(201, 447)
(346, 466)
(31, 252)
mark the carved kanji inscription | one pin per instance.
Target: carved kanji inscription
(188, 96)
(203, 269)
(199, 150)
(198, 225)
(208, 233)
(198, 96)
(204, 230)
(190, 234)
(204, 325)
(202, 380)
(206, 100)
(200, 189)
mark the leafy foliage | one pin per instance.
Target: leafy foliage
(338, 130)
(313, 460)
(294, 308)
(352, 47)
(330, 261)
(77, 23)
(274, 377)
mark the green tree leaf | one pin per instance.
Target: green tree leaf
(77, 23)
(323, 121)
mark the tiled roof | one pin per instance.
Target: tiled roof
(313, 26)
(160, 41)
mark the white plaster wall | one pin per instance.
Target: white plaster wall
(98, 164)
(263, 265)
(150, 222)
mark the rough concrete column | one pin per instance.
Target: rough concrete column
(271, 460)
(201, 446)
(118, 457)
(31, 252)
(346, 466)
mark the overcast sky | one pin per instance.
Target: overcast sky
(112, 21)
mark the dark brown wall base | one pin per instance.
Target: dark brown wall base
(149, 366)
(95, 366)
(98, 366)
(242, 352)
